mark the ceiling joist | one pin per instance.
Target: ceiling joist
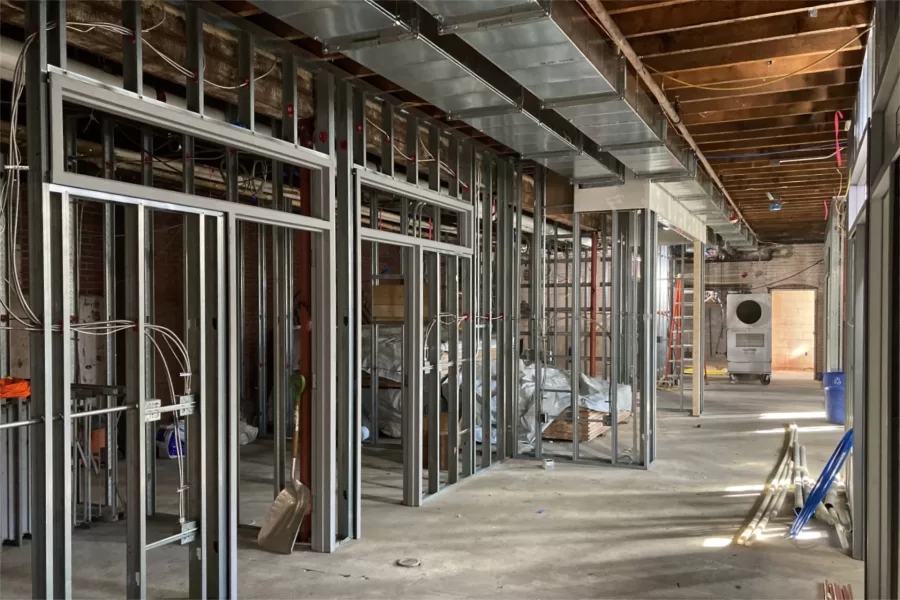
(796, 24)
(770, 50)
(706, 13)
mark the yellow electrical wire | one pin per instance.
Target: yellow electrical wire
(765, 83)
(849, 179)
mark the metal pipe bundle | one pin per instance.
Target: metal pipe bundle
(772, 487)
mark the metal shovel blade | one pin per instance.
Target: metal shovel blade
(282, 524)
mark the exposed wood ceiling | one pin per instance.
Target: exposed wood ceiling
(779, 68)
(797, 62)
(746, 132)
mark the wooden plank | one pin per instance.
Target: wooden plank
(590, 425)
(759, 198)
(618, 7)
(389, 302)
(770, 100)
(705, 13)
(803, 81)
(808, 45)
(785, 142)
(832, 179)
(770, 28)
(785, 190)
(751, 73)
(798, 108)
(724, 165)
(770, 123)
(788, 131)
(769, 168)
(750, 178)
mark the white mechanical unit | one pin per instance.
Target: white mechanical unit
(749, 322)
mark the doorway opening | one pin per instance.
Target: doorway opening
(794, 332)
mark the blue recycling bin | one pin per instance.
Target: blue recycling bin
(834, 397)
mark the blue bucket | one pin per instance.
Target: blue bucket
(834, 397)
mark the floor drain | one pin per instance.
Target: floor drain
(409, 563)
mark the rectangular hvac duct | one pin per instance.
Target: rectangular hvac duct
(697, 193)
(550, 48)
(640, 194)
(400, 41)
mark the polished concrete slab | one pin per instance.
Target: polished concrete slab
(519, 531)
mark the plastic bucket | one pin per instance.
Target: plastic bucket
(834, 397)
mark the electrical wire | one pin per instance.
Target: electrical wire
(801, 271)
(441, 164)
(757, 85)
(772, 153)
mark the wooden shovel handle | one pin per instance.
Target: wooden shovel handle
(296, 429)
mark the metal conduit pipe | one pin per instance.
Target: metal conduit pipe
(776, 504)
(798, 481)
(616, 35)
(821, 512)
(771, 487)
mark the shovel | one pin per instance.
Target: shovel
(279, 530)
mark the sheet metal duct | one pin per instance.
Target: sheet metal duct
(550, 48)
(401, 41)
(696, 192)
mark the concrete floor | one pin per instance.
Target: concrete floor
(519, 531)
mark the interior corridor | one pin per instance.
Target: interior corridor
(517, 530)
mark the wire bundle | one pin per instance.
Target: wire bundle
(29, 321)
(817, 495)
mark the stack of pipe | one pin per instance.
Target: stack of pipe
(792, 473)
(829, 495)
(774, 492)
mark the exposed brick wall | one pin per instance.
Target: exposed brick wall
(90, 271)
(168, 291)
(761, 276)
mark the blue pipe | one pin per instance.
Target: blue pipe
(823, 483)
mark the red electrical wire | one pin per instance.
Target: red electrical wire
(837, 135)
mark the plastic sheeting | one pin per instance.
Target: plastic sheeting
(593, 392)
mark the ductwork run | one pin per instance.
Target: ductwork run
(532, 74)
(401, 41)
(550, 48)
(696, 192)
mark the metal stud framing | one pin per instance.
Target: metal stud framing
(475, 279)
(212, 310)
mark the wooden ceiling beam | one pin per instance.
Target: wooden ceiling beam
(763, 29)
(759, 71)
(807, 45)
(828, 178)
(784, 138)
(780, 141)
(848, 90)
(788, 188)
(798, 108)
(713, 12)
(749, 178)
(618, 7)
(786, 196)
(803, 81)
(755, 134)
(791, 168)
(725, 164)
(701, 130)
